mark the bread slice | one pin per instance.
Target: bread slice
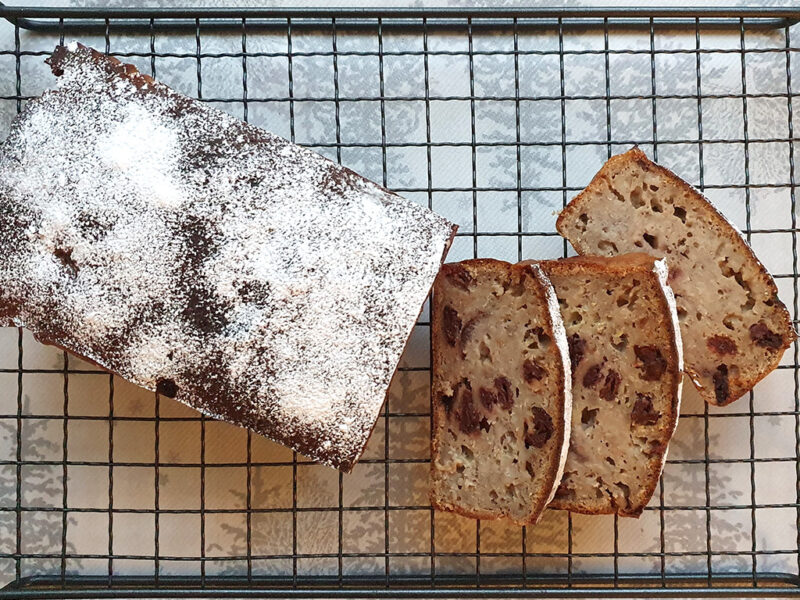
(501, 393)
(208, 260)
(625, 347)
(735, 328)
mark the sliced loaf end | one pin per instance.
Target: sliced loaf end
(500, 398)
(625, 349)
(735, 328)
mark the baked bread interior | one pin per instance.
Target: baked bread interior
(625, 350)
(501, 391)
(735, 328)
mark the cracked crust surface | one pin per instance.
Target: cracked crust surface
(735, 329)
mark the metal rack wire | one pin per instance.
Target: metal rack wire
(408, 550)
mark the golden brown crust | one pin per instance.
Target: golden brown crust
(465, 512)
(738, 386)
(622, 263)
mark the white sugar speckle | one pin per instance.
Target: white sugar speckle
(195, 254)
(142, 152)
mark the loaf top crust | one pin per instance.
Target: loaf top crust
(735, 328)
(204, 258)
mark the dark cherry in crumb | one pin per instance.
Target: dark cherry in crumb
(643, 412)
(722, 344)
(533, 371)
(577, 349)
(459, 277)
(541, 430)
(447, 402)
(764, 337)
(505, 395)
(721, 387)
(469, 328)
(452, 325)
(592, 376)
(488, 398)
(611, 386)
(501, 394)
(653, 363)
(469, 419)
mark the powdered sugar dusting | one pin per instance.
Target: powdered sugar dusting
(189, 252)
(143, 152)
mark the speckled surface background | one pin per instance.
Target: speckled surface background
(120, 519)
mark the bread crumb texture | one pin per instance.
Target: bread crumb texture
(735, 328)
(500, 401)
(626, 376)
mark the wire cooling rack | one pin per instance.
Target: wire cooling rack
(494, 118)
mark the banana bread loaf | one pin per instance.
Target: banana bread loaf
(204, 258)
